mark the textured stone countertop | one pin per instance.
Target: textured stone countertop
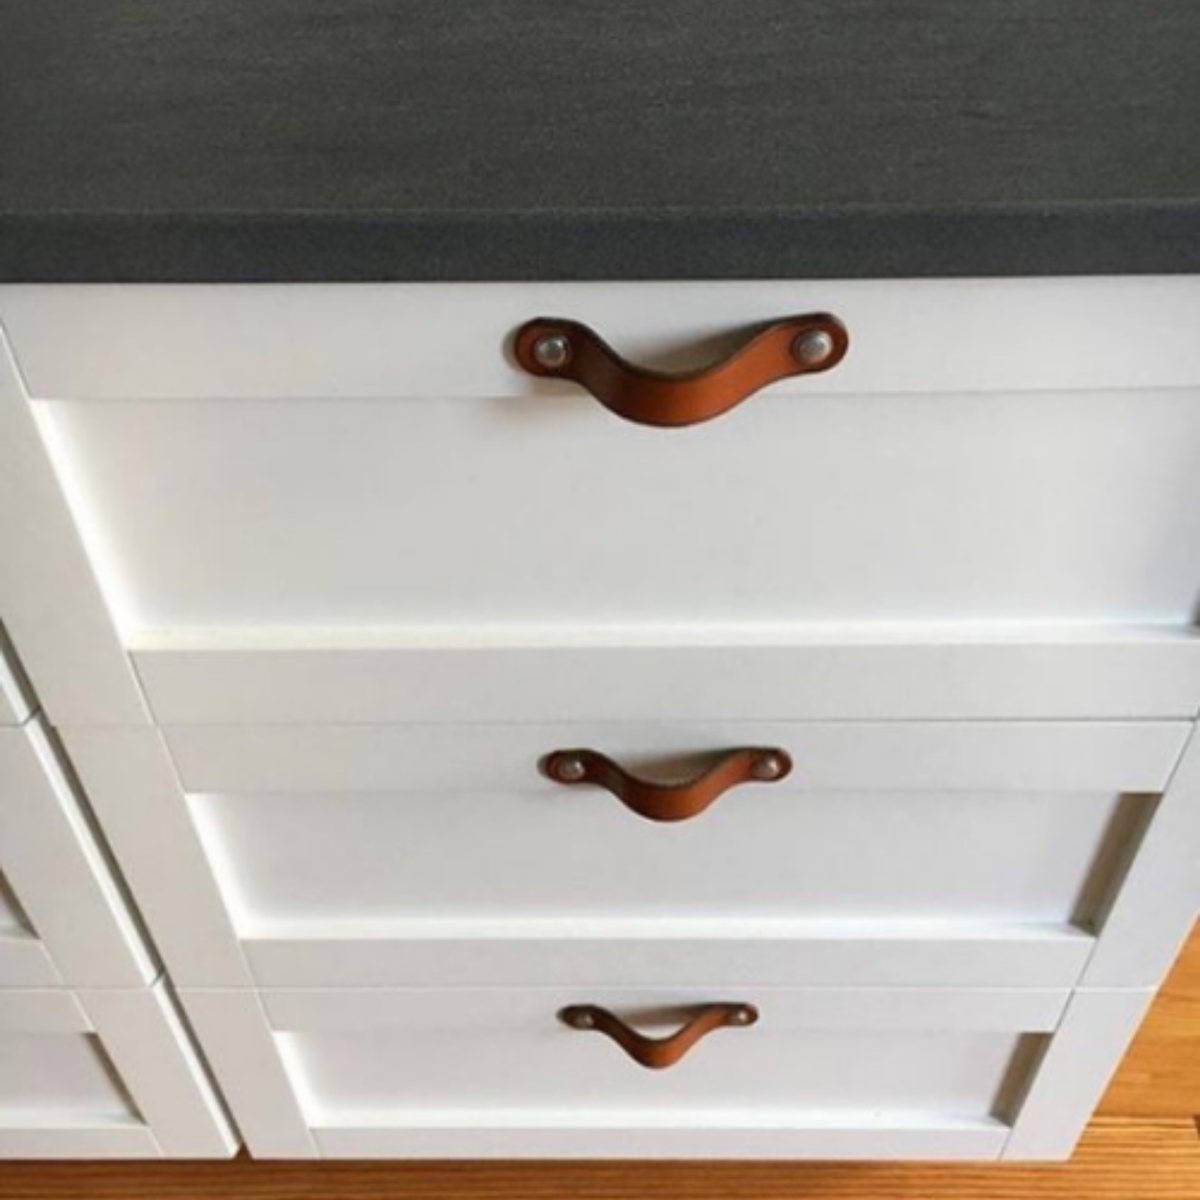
(209, 140)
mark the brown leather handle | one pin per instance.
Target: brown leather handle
(657, 1053)
(669, 801)
(553, 348)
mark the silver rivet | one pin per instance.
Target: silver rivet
(552, 351)
(569, 769)
(767, 766)
(814, 347)
(742, 1016)
(582, 1020)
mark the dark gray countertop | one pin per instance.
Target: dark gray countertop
(588, 139)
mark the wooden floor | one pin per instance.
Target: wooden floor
(1143, 1145)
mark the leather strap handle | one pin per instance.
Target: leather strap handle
(659, 1053)
(669, 801)
(554, 348)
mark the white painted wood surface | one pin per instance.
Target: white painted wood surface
(16, 701)
(964, 824)
(102, 1074)
(50, 600)
(431, 340)
(869, 1073)
(367, 572)
(59, 873)
(1159, 899)
(1079, 1061)
(238, 1042)
(659, 952)
(902, 756)
(991, 846)
(891, 673)
(132, 785)
(159, 1067)
(878, 507)
(24, 961)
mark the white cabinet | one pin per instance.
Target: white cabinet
(94, 1057)
(342, 576)
(493, 1072)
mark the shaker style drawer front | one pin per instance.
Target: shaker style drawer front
(989, 452)
(546, 1071)
(329, 841)
(59, 1092)
(103, 1074)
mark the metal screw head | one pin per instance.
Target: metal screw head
(568, 768)
(814, 347)
(742, 1016)
(767, 767)
(552, 351)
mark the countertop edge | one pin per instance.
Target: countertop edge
(1092, 238)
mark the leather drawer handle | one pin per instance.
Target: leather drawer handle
(658, 1053)
(669, 801)
(560, 349)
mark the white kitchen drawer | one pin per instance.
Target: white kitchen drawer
(988, 452)
(832, 1073)
(400, 829)
(916, 854)
(63, 916)
(102, 1075)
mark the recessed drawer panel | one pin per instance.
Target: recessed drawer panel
(813, 1073)
(336, 513)
(323, 836)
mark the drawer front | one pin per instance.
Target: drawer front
(874, 823)
(106, 1074)
(997, 458)
(58, 1088)
(476, 1072)
(369, 850)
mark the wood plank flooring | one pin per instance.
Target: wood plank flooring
(1143, 1145)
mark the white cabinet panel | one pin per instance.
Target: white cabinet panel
(963, 824)
(675, 674)
(420, 340)
(830, 1073)
(896, 853)
(60, 878)
(102, 1074)
(16, 701)
(348, 514)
